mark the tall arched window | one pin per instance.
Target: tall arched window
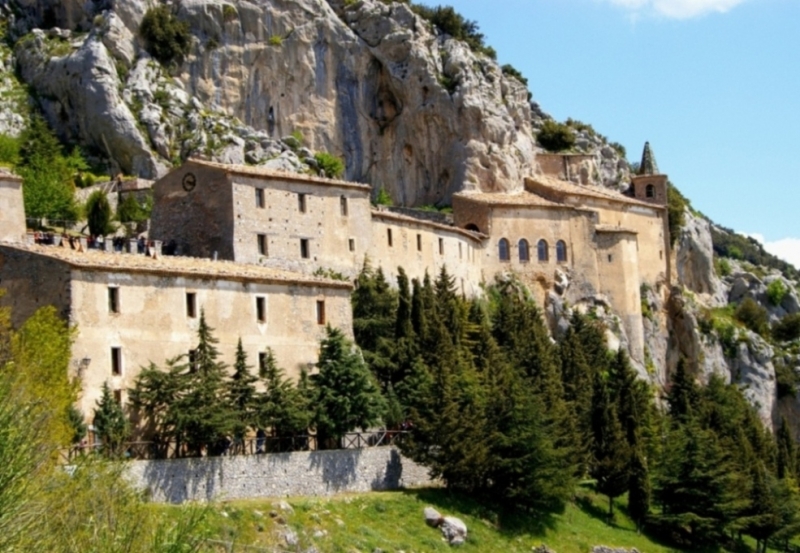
(524, 251)
(505, 254)
(561, 251)
(650, 191)
(541, 250)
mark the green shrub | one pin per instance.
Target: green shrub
(753, 316)
(131, 211)
(786, 379)
(98, 213)
(620, 149)
(383, 197)
(722, 266)
(166, 37)
(728, 243)
(676, 212)
(448, 83)
(229, 13)
(9, 150)
(776, 291)
(512, 71)
(555, 136)
(332, 166)
(454, 24)
(787, 329)
(275, 40)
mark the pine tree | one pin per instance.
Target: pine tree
(98, 214)
(684, 396)
(110, 423)
(639, 489)
(283, 407)
(77, 423)
(241, 393)
(346, 395)
(153, 401)
(374, 306)
(203, 417)
(611, 453)
(787, 452)
(577, 377)
(403, 327)
(764, 518)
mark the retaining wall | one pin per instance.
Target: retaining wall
(276, 475)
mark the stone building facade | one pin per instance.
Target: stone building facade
(131, 310)
(12, 208)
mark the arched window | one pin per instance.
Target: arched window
(505, 255)
(561, 251)
(541, 250)
(524, 251)
(650, 191)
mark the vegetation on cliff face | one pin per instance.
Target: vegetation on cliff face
(728, 243)
(166, 37)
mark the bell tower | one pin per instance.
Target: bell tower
(649, 185)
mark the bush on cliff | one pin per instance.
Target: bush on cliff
(166, 37)
(555, 136)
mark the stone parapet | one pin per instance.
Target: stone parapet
(307, 473)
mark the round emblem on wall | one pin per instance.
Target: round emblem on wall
(189, 182)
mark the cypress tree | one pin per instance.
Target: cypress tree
(282, 407)
(403, 327)
(242, 394)
(203, 416)
(787, 454)
(153, 398)
(110, 423)
(611, 454)
(98, 214)
(345, 393)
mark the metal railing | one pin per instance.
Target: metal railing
(229, 447)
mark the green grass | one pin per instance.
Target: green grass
(393, 521)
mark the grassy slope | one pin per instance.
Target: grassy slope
(393, 521)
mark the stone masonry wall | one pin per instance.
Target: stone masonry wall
(276, 475)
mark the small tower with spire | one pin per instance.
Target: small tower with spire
(649, 185)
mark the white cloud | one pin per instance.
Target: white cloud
(787, 249)
(677, 9)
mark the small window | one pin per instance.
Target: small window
(661, 254)
(320, 312)
(192, 360)
(191, 305)
(116, 361)
(610, 258)
(118, 397)
(419, 242)
(262, 362)
(650, 191)
(262, 244)
(561, 251)
(351, 243)
(542, 251)
(389, 236)
(441, 246)
(113, 299)
(301, 203)
(503, 248)
(343, 206)
(260, 198)
(261, 310)
(459, 251)
(524, 251)
(304, 249)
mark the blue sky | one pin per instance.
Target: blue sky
(714, 85)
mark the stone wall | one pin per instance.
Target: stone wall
(277, 475)
(12, 212)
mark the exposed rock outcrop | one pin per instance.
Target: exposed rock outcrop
(695, 260)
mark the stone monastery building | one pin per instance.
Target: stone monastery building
(246, 245)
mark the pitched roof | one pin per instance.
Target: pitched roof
(542, 183)
(648, 164)
(391, 216)
(261, 172)
(191, 267)
(514, 199)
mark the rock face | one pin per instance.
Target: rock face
(408, 109)
(695, 260)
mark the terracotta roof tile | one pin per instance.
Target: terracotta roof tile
(596, 192)
(508, 199)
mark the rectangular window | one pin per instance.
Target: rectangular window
(304, 249)
(113, 299)
(343, 206)
(320, 312)
(262, 244)
(419, 242)
(261, 310)
(459, 250)
(118, 397)
(441, 246)
(351, 243)
(192, 360)
(191, 305)
(610, 258)
(116, 361)
(301, 203)
(260, 198)
(262, 361)
(389, 236)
